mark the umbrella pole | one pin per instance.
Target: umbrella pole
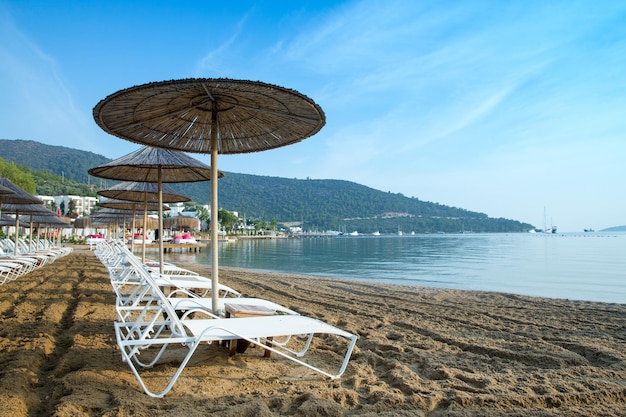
(160, 185)
(132, 231)
(143, 230)
(214, 238)
(17, 225)
(30, 234)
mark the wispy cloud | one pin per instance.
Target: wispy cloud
(212, 63)
(38, 101)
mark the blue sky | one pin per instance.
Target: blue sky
(501, 107)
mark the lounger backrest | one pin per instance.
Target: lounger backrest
(175, 326)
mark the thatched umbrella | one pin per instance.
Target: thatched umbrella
(133, 206)
(25, 208)
(216, 116)
(16, 194)
(50, 219)
(6, 220)
(82, 222)
(143, 191)
(149, 164)
(146, 192)
(108, 216)
(4, 190)
(181, 222)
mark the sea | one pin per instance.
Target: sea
(576, 266)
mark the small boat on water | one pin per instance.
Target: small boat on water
(376, 233)
(355, 233)
(551, 229)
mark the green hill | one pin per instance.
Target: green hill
(320, 204)
(65, 162)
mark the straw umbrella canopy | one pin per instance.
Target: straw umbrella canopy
(82, 222)
(133, 206)
(143, 191)
(148, 164)
(50, 219)
(128, 205)
(108, 216)
(4, 190)
(6, 220)
(216, 116)
(181, 221)
(17, 194)
(24, 208)
(146, 192)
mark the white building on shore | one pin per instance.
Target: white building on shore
(82, 205)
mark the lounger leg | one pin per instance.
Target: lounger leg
(267, 351)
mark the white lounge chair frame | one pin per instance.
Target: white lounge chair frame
(158, 326)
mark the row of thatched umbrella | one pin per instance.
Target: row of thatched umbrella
(174, 222)
(14, 199)
(211, 116)
(155, 165)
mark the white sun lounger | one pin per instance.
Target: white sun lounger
(158, 327)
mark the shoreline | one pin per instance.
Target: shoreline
(421, 351)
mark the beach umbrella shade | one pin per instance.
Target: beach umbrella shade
(130, 206)
(6, 220)
(24, 208)
(109, 216)
(213, 116)
(82, 222)
(133, 206)
(50, 219)
(4, 190)
(143, 191)
(146, 192)
(17, 195)
(149, 164)
(184, 222)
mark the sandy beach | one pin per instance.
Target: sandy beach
(421, 352)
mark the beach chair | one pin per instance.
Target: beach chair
(131, 291)
(9, 271)
(28, 263)
(159, 327)
(193, 302)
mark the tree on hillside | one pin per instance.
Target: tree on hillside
(226, 219)
(18, 176)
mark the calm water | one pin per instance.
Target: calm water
(589, 266)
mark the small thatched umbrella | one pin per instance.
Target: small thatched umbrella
(216, 116)
(82, 222)
(4, 190)
(143, 191)
(7, 220)
(156, 165)
(108, 216)
(183, 222)
(133, 206)
(17, 195)
(146, 192)
(32, 209)
(50, 219)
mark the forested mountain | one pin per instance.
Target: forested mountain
(59, 160)
(320, 204)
